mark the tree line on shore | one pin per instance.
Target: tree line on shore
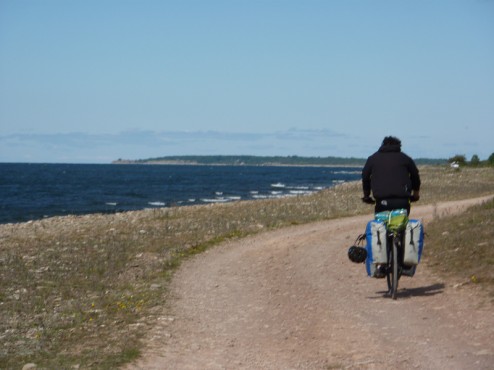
(475, 161)
(251, 160)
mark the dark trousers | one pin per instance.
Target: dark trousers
(393, 203)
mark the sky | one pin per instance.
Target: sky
(91, 81)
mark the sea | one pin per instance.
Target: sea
(35, 191)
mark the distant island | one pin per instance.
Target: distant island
(251, 160)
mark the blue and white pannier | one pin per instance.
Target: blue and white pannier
(413, 243)
(375, 234)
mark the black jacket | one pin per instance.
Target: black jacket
(389, 173)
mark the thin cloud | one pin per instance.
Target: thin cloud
(78, 147)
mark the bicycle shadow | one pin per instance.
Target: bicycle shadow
(425, 291)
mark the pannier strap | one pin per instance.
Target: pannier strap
(411, 233)
(360, 239)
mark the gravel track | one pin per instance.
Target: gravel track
(291, 299)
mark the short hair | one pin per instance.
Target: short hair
(391, 140)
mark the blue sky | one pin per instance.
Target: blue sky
(95, 80)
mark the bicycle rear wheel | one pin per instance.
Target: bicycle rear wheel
(392, 270)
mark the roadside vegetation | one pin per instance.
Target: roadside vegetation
(475, 161)
(462, 247)
(80, 292)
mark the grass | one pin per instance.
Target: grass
(82, 291)
(462, 246)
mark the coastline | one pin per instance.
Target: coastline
(247, 160)
(83, 189)
(264, 164)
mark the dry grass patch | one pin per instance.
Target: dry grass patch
(441, 183)
(82, 291)
(462, 246)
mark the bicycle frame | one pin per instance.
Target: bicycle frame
(395, 240)
(395, 222)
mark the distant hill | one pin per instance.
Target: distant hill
(251, 160)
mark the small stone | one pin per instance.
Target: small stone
(29, 366)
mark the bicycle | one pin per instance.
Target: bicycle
(395, 222)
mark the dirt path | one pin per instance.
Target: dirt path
(291, 299)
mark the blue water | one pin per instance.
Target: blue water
(34, 191)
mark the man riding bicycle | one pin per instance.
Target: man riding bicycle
(394, 180)
(392, 176)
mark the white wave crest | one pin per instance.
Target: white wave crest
(156, 204)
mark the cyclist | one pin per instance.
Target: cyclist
(392, 176)
(394, 180)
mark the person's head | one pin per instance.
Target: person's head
(391, 141)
